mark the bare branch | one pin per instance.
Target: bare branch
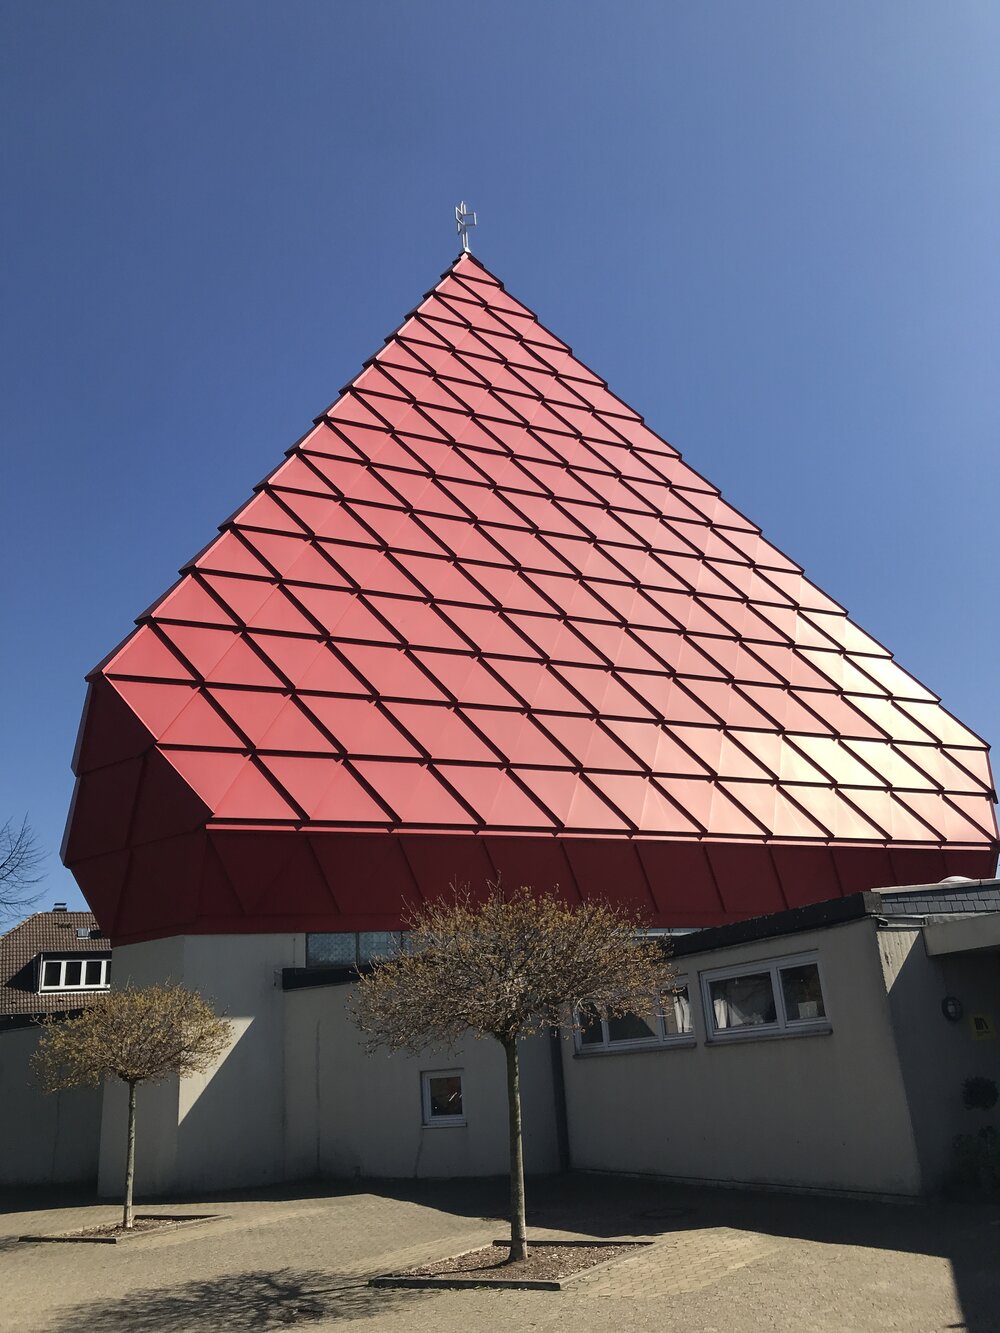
(506, 967)
(20, 864)
(139, 1036)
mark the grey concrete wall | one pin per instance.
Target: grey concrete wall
(156, 1105)
(232, 1129)
(223, 1128)
(294, 1095)
(819, 1111)
(45, 1139)
(352, 1114)
(936, 1055)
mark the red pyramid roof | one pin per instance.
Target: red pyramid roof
(482, 596)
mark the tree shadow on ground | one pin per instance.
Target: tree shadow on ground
(966, 1234)
(237, 1303)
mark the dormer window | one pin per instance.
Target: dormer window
(75, 974)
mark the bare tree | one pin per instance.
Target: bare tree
(139, 1036)
(508, 967)
(20, 863)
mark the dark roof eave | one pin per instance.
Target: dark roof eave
(814, 916)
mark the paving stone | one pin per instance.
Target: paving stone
(723, 1260)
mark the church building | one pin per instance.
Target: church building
(481, 621)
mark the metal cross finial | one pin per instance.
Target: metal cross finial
(465, 219)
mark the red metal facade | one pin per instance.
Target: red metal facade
(483, 619)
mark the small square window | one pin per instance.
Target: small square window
(442, 1097)
(73, 975)
(52, 973)
(93, 972)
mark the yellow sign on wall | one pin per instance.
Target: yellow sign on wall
(982, 1027)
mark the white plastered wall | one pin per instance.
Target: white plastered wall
(295, 1095)
(224, 1128)
(823, 1112)
(353, 1114)
(45, 1139)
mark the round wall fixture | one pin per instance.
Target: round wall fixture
(951, 1007)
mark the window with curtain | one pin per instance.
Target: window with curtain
(666, 1023)
(780, 996)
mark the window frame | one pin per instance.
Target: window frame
(783, 1026)
(63, 961)
(660, 1040)
(428, 1119)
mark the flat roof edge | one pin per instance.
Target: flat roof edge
(834, 912)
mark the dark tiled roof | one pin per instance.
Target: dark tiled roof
(44, 933)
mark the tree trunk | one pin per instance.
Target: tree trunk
(518, 1229)
(129, 1159)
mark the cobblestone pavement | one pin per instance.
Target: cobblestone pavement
(722, 1261)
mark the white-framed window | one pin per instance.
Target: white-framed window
(777, 996)
(75, 974)
(667, 1023)
(441, 1095)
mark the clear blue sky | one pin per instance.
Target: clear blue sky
(772, 227)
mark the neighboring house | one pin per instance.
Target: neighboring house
(52, 963)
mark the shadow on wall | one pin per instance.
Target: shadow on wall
(48, 1139)
(161, 1129)
(238, 1303)
(937, 1055)
(229, 1128)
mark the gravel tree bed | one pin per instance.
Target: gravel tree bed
(545, 1261)
(139, 1224)
(113, 1233)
